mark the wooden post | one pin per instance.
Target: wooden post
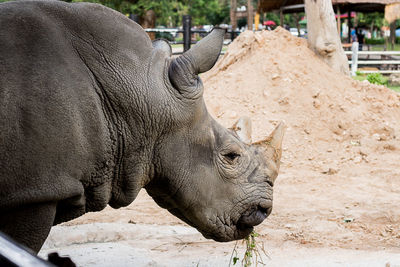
(392, 36)
(281, 17)
(249, 15)
(350, 25)
(323, 37)
(339, 23)
(233, 14)
(354, 58)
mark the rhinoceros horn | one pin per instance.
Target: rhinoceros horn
(243, 129)
(183, 71)
(274, 140)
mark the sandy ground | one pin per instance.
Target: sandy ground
(337, 197)
(121, 244)
(306, 228)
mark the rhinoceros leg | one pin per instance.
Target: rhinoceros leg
(29, 225)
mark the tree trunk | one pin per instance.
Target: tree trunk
(371, 29)
(233, 14)
(149, 21)
(323, 36)
(249, 15)
(297, 19)
(350, 25)
(392, 37)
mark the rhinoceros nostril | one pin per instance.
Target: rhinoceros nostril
(265, 210)
(254, 216)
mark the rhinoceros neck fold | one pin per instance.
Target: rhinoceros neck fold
(116, 53)
(127, 123)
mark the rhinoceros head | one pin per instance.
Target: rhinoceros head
(211, 177)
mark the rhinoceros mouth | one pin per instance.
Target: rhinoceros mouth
(228, 230)
(243, 226)
(253, 216)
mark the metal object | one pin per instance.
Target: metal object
(13, 254)
(187, 32)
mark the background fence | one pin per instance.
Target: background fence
(187, 32)
(384, 62)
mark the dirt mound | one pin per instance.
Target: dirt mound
(272, 76)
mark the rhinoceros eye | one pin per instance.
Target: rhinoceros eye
(231, 156)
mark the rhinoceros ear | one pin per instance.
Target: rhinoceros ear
(162, 45)
(183, 71)
(243, 129)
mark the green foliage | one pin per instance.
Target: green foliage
(208, 11)
(359, 73)
(372, 20)
(111, 4)
(374, 41)
(382, 48)
(169, 12)
(395, 88)
(252, 254)
(377, 78)
(291, 19)
(250, 249)
(379, 41)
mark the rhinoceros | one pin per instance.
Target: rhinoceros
(92, 111)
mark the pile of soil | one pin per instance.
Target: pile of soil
(272, 76)
(341, 151)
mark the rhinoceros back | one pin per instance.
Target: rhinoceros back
(57, 140)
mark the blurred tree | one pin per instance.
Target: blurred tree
(208, 11)
(293, 19)
(372, 20)
(166, 12)
(169, 12)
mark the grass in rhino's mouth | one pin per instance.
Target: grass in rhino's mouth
(252, 256)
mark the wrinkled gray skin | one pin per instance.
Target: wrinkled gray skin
(91, 112)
